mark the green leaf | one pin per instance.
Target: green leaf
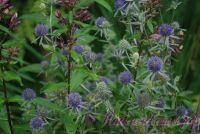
(69, 123)
(78, 76)
(17, 99)
(76, 56)
(150, 26)
(35, 68)
(11, 75)
(35, 17)
(47, 104)
(104, 4)
(50, 87)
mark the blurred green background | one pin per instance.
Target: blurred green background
(187, 64)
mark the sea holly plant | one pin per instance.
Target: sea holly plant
(92, 79)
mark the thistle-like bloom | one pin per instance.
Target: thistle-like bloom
(90, 57)
(143, 99)
(165, 30)
(104, 79)
(124, 44)
(183, 111)
(99, 56)
(78, 49)
(74, 100)
(125, 77)
(160, 104)
(36, 123)
(42, 112)
(41, 30)
(155, 64)
(44, 65)
(100, 22)
(28, 94)
(119, 4)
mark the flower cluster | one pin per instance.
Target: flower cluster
(28, 94)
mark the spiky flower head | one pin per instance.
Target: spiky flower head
(104, 79)
(42, 112)
(36, 123)
(78, 49)
(60, 62)
(160, 103)
(101, 22)
(103, 93)
(183, 111)
(74, 100)
(165, 30)
(143, 99)
(102, 86)
(90, 57)
(28, 94)
(124, 44)
(125, 77)
(119, 4)
(41, 30)
(99, 56)
(154, 64)
(44, 65)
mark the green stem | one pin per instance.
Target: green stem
(6, 98)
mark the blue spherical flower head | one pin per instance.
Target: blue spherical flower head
(104, 79)
(183, 111)
(78, 49)
(119, 4)
(100, 22)
(74, 100)
(41, 30)
(36, 123)
(165, 30)
(125, 77)
(28, 94)
(155, 64)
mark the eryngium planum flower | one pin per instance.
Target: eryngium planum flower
(125, 77)
(103, 79)
(143, 99)
(74, 100)
(28, 94)
(100, 22)
(165, 30)
(183, 111)
(78, 49)
(36, 123)
(154, 64)
(119, 4)
(41, 30)
(42, 112)
(90, 57)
